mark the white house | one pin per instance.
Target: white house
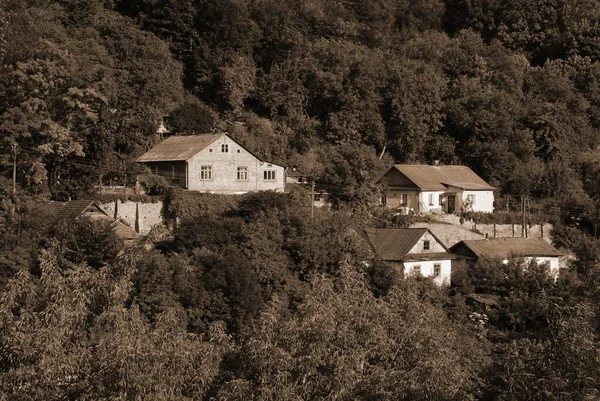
(213, 163)
(506, 248)
(413, 251)
(436, 189)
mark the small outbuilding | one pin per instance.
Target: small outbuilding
(507, 248)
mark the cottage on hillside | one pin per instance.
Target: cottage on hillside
(507, 248)
(436, 189)
(212, 163)
(413, 251)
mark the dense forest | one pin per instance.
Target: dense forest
(248, 298)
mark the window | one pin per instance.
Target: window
(441, 200)
(430, 199)
(224, 148)
(416, 269)
(471, 199)
(242, 173)
(206, 172)
(269, 175)
(210, 150)
(404, 200)
(426, 245)
(239, 151)
(437, 270)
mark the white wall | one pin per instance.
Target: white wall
(444, 278)
(484, 200)
(424, 201)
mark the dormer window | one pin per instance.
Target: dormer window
(224, 147)
(426, 245)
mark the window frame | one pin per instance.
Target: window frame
(206, 173)
(471, 198)
(438, 267)
(403, 199)
(242, 170)
(416, 269)
(431, 200)
(426, 245)
(268, 173)
(224, 148)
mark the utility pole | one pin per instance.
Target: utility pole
(14, 149)
(526, 211)
(312, 200)
(523, 216)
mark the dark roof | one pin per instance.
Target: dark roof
(67, 210)
(396, 243)
(486, 299)
(178, 147)
(505, 247)
(73, 209)
(440, 177)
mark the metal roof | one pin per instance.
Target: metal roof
(505, 247)
(179, 147)
(396, 243)
(434, 178)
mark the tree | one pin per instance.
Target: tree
(563, 366)
(76, 335)
(343, 343)
(86, 241)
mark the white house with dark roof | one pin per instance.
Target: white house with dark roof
(507, 248)
(413, 251)
(213, 163)
(436, 189)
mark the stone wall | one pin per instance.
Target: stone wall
(150, 213)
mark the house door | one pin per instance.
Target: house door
(451, 203)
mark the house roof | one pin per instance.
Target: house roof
(73, 209)
(67, 210)
(434, 178)
(505, 247)
(396, 243)
(179, 147)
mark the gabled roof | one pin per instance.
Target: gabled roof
(505, 247)
(434, 178)
(71, 210)
(179, 147)
(67, 210)
(396, 243)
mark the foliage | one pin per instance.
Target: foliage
(192, 117)
(72, 334)
(563, 365)
(83, 240)
(114, 197)
(187, 204)
(503, 217)
(342, 342)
